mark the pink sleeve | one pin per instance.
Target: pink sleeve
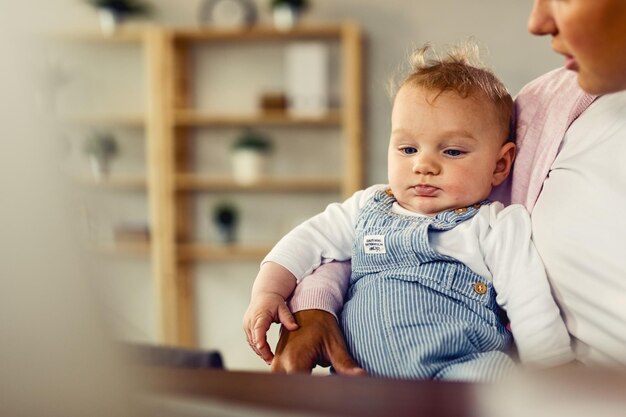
(545, 108)
(324, 289)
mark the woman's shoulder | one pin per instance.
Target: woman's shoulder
(550, 83)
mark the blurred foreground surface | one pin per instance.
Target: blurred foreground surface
(567, 393)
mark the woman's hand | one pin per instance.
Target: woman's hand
(317, 341)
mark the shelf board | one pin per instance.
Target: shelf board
(205, 252)
(138, 183)
(197, 118)
(260, 32)
(198, 182)
(109, 120)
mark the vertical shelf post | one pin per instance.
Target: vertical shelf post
(171, 290)
(179, 85)
(352, 64)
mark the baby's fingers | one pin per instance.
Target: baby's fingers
(248, 330)
(259, 334)
(286, 318)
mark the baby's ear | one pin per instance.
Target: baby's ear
(506, 156)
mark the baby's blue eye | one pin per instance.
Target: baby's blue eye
(453, 152)
(408, 150)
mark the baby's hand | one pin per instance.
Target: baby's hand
(265, 309)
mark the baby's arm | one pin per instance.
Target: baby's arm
(523, 290)
(327, 236)
(273, 284)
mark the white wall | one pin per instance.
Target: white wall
(392, 28)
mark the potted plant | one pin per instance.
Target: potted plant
(286, 13)
(100, 147)
(226, 217)
(112, 12)
(249, 155)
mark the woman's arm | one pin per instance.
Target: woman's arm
(324, 289)
(316, 303)
(522, 287)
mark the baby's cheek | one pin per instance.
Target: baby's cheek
(470, 189)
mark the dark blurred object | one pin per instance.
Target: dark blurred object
(112, 13)
(286, 13)
(226, 217)
(172, 357)
(123, 8)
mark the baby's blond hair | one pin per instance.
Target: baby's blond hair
(460, 71)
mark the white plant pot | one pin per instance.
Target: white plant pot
(285, 17)
(99, 168)
(109, 21)
(248, 166)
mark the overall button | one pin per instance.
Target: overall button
(460, 210)
(480, 288)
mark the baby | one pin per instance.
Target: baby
(434, 262)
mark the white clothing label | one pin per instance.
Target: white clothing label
(374, 244)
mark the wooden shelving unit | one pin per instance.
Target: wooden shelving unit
(171, 183)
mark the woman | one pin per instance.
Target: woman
(570, 173)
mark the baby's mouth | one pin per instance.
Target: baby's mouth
(424, 190)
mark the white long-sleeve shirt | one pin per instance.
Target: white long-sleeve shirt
(495, 243)
(580, 231)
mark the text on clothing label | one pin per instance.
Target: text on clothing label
(374, 244)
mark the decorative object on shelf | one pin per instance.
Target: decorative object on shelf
(101, 147)
(227, 13)
(131, 233)
(226, 218)
(113, 12)
(286, 13)
(273, 103)
(307, 78)
(249, 156)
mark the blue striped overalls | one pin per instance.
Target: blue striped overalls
(414, 313)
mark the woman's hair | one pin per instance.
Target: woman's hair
(461, 71)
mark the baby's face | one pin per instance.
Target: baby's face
(445, 152)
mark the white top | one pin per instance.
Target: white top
(495, 244)
(580, 230)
